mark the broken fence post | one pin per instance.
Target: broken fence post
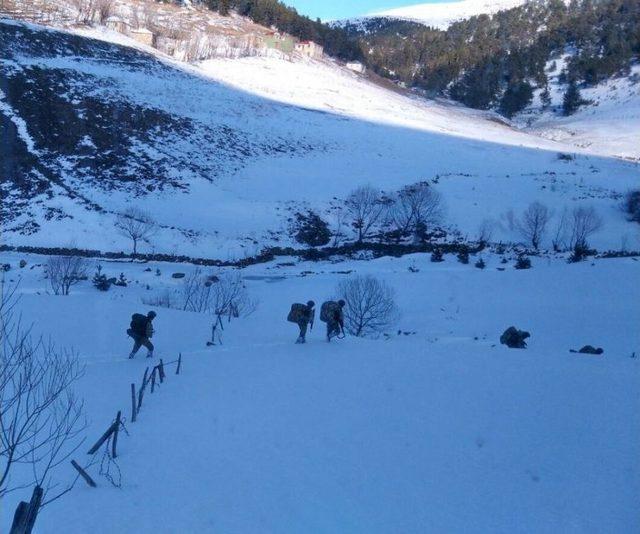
(19, 518)
(115, 434)
(179, 363)
(102, 439)
(83, 474)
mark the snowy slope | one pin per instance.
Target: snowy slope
(261, 136)
(610, 120)
(442, 14)
(444, 430)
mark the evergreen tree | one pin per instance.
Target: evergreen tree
(572, 99)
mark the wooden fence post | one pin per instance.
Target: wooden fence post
(20, 518)
(153, 379)
(115, 434)
(179, 363)
(26, 513)
(142, 388)
(161, 371)
(83, 474)
(133, 403)
(102, 439)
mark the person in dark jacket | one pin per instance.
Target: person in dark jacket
(303, 315)
(335, 324)
(141, 331)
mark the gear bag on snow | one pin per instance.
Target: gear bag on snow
(298, 312)
(329, 311)
(139, 324)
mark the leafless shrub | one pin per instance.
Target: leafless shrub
(198, 292)
(560, 234)
(229, 299)
(365, 206)
(41, 418)
(414, 209)
(370, 305)
(166, 299)
(136, 225)
(533, 224)
(64, 272)
(585, 222)
(485, 231)
(338, 227)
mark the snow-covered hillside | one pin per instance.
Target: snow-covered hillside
(442, 14)
(442, 430)
(609, 120)
(262, 135)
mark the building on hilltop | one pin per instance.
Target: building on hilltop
(280, 41)
(310, 49)
(356, 66)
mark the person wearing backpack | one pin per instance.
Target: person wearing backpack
(141, 331)
(332, 313)
(303, 315)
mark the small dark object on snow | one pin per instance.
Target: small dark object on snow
(514, 338)
(480, 264)
(588, 349)
(23, 264)
(178, 276)
(6, 267)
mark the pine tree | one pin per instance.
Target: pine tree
(572, 99)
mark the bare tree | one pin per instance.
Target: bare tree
(229, 299)
(338, 227)
(414, 209)
(370, 305)
(533, 223)
(560, 237)
(41, 419)
(198, 292)
(136, 225)
(104, 9)
(64, 272)
(584, 223)
(366, 206)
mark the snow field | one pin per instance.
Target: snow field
(443, 430)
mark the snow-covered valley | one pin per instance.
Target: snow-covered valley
(430, 425)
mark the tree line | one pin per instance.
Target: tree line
(498, 61)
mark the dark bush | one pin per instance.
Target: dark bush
(310, 229)
(480, 264)
(100, 280)
(631, 205)
(523, 263)
(463, 257)
(437, 256)
(23, 264)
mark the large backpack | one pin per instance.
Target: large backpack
(328, 311)
(139, 324)
(298, 312)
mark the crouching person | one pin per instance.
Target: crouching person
(303, 315)
(332, 313)
(141, 331)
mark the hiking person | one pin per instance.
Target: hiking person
(303, 315)
(332, 313)
(141, 331)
